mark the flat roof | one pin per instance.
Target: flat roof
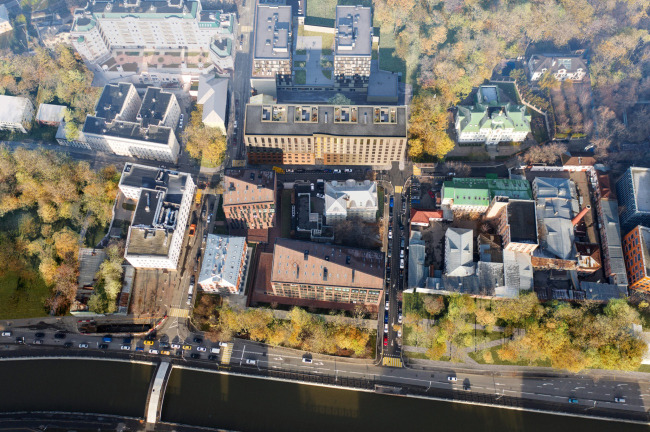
(353, 31)
(273, 32)
(244, 186)
(480, 191)
(112, 100)
(522, 221)
(154, 106)
(613, 242)
(12, 108)
(382, 83)
(641, 181)
(145, 241)
(128, 130)
(363, 125)
(302, 262)
(147, 177)
(51, 113)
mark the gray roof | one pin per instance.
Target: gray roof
(273, 32)
(364, 127)
(459, 252)
(154, 106)
(128, 130)
(490, 275)
(641, 180)
(51, 113)
(12, 108)
(223, 260)
(112, 100)
(341, 196)
(418, 272)
(163, 7)
(213, 95)
(556, 205)
(522, 221)
(518, 270)
(354, 31)
(555, 62)
(142, 176)
(613, 233)
(382, 83)
(603, 292)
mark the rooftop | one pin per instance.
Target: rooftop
(641, 181)
(481, 191)
(353, 31)
(517, 270)
(222, 260)
(354, 121)
(489, 248)
(382, 83)
(491, 111)
(341, 196)
(417, 271)
(556, 206)
(12, 108)
(522, 221)
(183, 9)
(645, 244)
(555, 62)
(128, 130)
(459, 252)
(51, 113)
(146, 177)
(273, 32)
(613, 244)
(213, 95)
(112, 100)
(244, 186)
(605, 187)
(301, 262)
(603, 292)
(154, 107)
(424, 216)
(89, 262)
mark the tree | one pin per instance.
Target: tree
(66, 243)
(434, 304)
(203, 142)
(427, 127)
(548, 81)
(548, 153)
(339, 99)
(459, 168)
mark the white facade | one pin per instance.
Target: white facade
(174, 24)
(213, 96)
(15, 113)
(5, 25)
(223, 266)
(350, 200)
(562, 67)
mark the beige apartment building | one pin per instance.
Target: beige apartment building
(325, 134)
(272, 55)
(353, 47)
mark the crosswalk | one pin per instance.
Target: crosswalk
(176, 312)
(392, 362)
(226, 354)
(398, 189)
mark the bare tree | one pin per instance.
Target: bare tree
(548, 153)
(461, 169)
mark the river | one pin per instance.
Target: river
(255, 405)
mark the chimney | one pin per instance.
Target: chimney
(580, 215)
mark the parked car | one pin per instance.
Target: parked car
(175, 346)
(387, 305)
(39, 335)
(348, 170)
(195, 356)
(148, 342)
(165, 352)
(59, 335)
(401, 265)
(201, 349)
(215, 350)
(198, 340)
(223, 344)
(385, 340)
(38, 341)
(187, 347)
(153, 351)
(67, 345)
(337, 171)
(209, 218)
(386, 327)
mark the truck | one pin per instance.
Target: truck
(278, 170)
(199, 194)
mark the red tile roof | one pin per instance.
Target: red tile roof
(423, 216)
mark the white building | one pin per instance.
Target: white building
(213, 95)
(5, 24)
(350, 200)
(15, 113)
(50, 115)
(562, 67)
(158, 225)
(136, 24)
(224, 264)
(126, 125)
(459, 252)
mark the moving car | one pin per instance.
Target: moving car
(83, 345)
(38, 342)
(153, 351)
(20, 340)
(102, 346)
(573, 400)
(125, 347)
(59, 336)
(6, 333)
(306, 360)
(67, 345)
(39, 335)
(251, 361)
(619, 400)
(452, 378)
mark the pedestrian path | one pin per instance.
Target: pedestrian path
(392, 361)
(176, 312)
(226, 354)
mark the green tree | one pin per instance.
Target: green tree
(340, 99)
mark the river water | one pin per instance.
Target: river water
(255, 405)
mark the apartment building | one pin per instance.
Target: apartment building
(136, 24)
(633, 190)
(224, 264)
(126, 125)
(491, 120)
(351, 200)
(5, 24)
(272, 55)
(16, 113)
(324, 272)
(249, 198)
(636, 246)
(325, 134)
(483, 195)
(517, 226)
(353, 47)
(160, 217)
(562, 67)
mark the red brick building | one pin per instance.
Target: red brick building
(637, 258)
(249, 198)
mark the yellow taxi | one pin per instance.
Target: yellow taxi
(187, 347)
(164, 352)
(148, 342)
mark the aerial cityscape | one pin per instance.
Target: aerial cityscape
(289, 215)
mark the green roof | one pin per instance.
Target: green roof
(481, 191)
(489, 112)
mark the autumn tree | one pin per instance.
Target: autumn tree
(427, 128)
(547, 153)
(340, 99)
(203, 142)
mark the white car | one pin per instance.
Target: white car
(202, 349)
(215, 350)
(6, 333)
(306, 360)
(452, 378)
(223, 344)
(337, 171)
(83, 345)
(401, 263)
(386, 328)
(235, 124)
(251, 361)
(348, 170)
(399, 333)
(175, 346)
(399, 319)
(154, 351)
(619, 400)
(126, 347)
(387, 305)
(209, 218)
(390, 234)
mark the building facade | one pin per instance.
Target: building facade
(126, 125)
(16, 113)
(325, 134)
(350, 200)
(483, 195)
(633, 191)
(322, 272)
(272, 51)
(136, 24)
(491, 120)
(249, 198)
(5, 24)
(158, 226)
(353, 47)
(224, 264)
(562, 67)
(517, 226)
(637, 258)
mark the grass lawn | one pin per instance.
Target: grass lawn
(478, 357)
(375, 51)
(644, 368)
(414, 303)
(301, 77)
(327, 39)
(192, 54)
(422, 356)
(20, 298)
(208, 163)
(133, 53)
(510, 91)
(327, 74)
(286, 213)
(221, 215)
(173, 54)
(94, 235)
(387, 61)
(299, 64)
